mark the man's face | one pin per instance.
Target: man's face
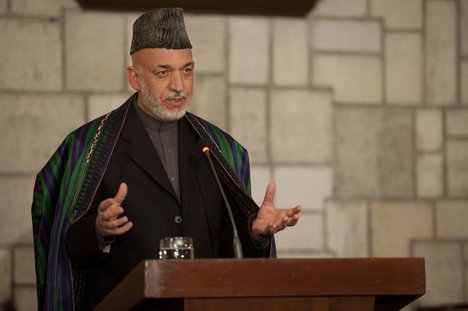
(164, 81)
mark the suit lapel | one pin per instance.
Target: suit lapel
(188, 162)
(142, 152)
(201, 199)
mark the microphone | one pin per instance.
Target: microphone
(236, 244)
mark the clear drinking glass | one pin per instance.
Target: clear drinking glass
(176, 248)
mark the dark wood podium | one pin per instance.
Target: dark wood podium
(270, 284)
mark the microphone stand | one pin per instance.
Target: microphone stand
(236, 241)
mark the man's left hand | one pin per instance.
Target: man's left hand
(270, 220)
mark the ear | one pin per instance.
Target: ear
(132, 77)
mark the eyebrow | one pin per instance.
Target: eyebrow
(170, 67)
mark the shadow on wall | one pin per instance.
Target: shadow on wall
(7, 307)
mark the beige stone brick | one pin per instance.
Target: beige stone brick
(347, 228)
(466, 281)
(395, 224)
(341, 8)
(440, 49)
(31, 57)
(301, 126)
(307, 186)
(430, 174)
(457, 166)
(451, 219)
(99, 105)
(33, 126)
(399, 14)
(457, 122)
(395, 152)
(374, 155)
(306, 235)
(25, 298)
(260, 177)
(5, 275)
(290, 52)
(248, 50)
(404, 68)
(429, 130)
(444, 272)
(411, 307)
(129, 20)
(209, 100)
(248, 121)
(15, 223)
(3, 9)
(465, 251)
(24, 272)
(352, 137)
(346, 36)
(353, 78)
(305, 254)
(95, 55)
(464, 83)
(464, 26)
(208, 36)
(46, 8)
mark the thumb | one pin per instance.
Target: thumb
(121, 194)
(270, 193)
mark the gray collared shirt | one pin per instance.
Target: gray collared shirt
(165, 139)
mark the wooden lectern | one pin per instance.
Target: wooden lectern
(362, 284)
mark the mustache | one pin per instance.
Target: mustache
(180, 95)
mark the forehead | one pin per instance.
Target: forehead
(165, 57)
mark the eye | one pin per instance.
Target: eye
(187, 71)
(162, 74)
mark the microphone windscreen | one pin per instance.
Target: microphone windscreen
(204, 143)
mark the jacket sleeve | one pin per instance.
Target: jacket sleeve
(81, 239)
(45, 197)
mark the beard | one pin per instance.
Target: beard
(156, 107)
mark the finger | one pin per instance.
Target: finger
(118, 199)
(115, 223)
(111, 213)
(277, 225)
(104, 227)
(121, 194)
(293, 211)
(271, 229)
(120, 230)
(123, 229)
(270, 193)
(105, 205)
(293, 220)
(108, 215)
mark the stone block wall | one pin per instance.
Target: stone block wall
(359, 111)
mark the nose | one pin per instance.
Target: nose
(176, 84)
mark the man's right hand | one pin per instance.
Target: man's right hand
(108, 222)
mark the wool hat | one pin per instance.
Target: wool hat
(163, 28)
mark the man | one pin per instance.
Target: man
(120, 183)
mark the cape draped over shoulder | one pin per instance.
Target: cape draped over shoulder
(65, 188)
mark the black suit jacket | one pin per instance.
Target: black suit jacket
(155, 210)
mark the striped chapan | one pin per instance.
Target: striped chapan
(66, 186)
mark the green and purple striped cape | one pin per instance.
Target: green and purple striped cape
(65, 188)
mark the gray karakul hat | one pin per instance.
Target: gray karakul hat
(163, 28)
